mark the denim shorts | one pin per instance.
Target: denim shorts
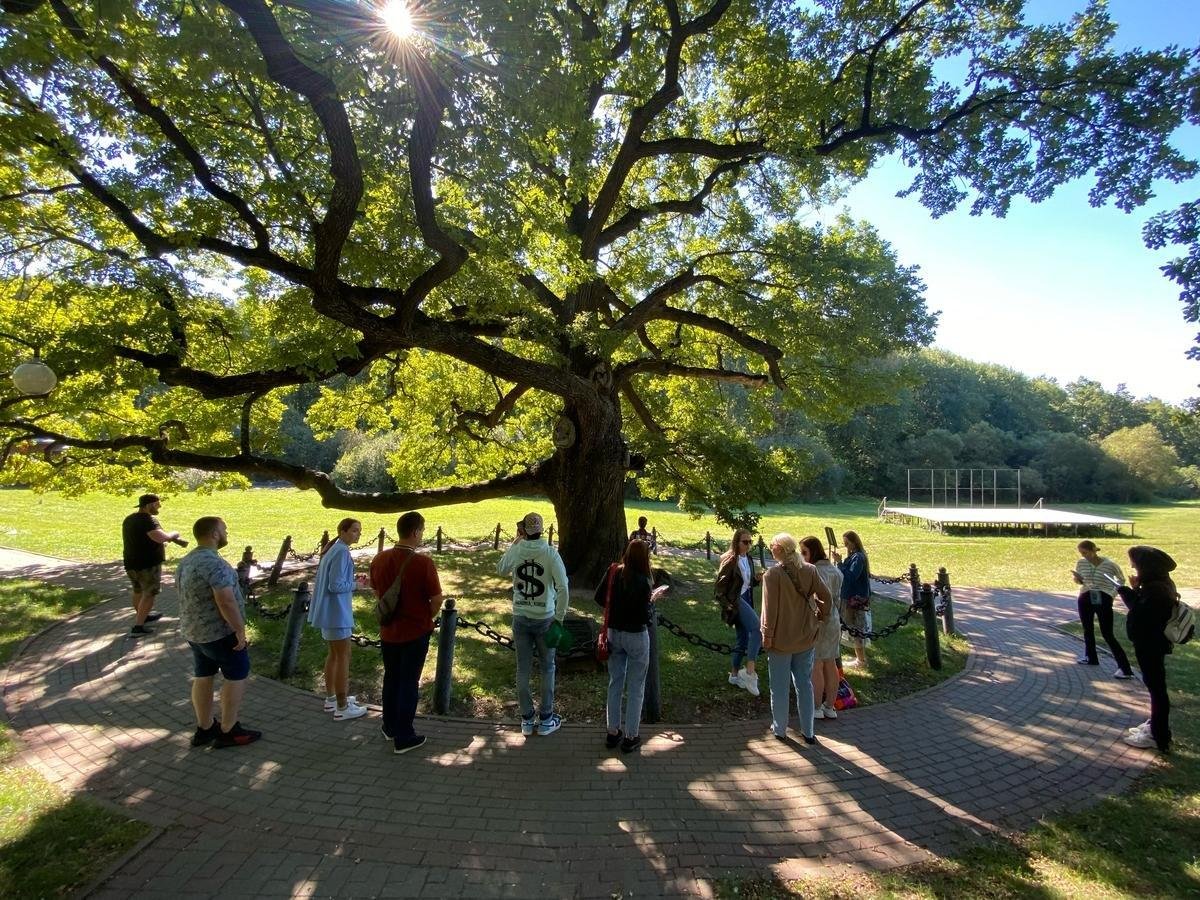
(336, 634)
(219, 656)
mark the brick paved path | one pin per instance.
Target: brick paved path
(323, 808)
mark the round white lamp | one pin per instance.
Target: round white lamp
(34, 378)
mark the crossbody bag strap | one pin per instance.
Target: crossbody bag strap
(612, 574)
(392, 595)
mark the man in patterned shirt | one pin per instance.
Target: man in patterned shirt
(1098, 578)
(212, 620)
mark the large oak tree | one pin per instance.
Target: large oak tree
(596, 221)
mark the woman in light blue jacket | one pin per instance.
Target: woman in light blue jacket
(331, 611)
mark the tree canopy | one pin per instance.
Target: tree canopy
(534, 239)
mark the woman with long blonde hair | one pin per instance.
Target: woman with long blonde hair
(825, 676)
(736, 579)
(795, 602)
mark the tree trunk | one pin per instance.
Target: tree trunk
(586, 483)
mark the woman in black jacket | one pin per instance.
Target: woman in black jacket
(1151, 598)
(628, 589)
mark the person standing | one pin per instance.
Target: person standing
(628, 594)
(332, 611)
(540, 597)
(405, 638)
(855, 602)
(795, 602)
(212, 619)
(143, 552)
(641, 534)
(1150, 597)
(825, 677)
(736, 579)
(1092, 574)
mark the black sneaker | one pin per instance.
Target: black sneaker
(153, 617)
(138, 631)
(611, 740)
(417, 740)
(205, 736)
(1084, 661)
(631, 743)
(809, 740)
(383, 731)
(237, 736)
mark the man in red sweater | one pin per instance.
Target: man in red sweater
(405, 638)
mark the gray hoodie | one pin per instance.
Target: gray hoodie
(539, 580)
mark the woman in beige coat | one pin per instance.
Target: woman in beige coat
(795, 602)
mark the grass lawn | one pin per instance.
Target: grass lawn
(51, 844)
(694, 685)
(89, 528)
(1145, 843)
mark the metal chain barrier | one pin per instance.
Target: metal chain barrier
(273, 614)
(693, 639)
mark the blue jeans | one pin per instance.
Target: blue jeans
(627, 664)
(530, 635)
(790, 670)
(402, 665)
(748, 630)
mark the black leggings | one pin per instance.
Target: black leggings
(1104, 612)
(1152, 662)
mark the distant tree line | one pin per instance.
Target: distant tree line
(1072, 443)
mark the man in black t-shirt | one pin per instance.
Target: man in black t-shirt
(647, 537)
(143, 555)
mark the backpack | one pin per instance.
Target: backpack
(1182, 624)
(387, 606)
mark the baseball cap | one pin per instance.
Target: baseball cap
(532, 523)
(146, 498)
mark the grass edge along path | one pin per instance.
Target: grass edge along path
(51, 843)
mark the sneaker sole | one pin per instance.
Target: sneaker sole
(408, 749)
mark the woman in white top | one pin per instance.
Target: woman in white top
(1098, 578)
(825, 677)
(736, 579)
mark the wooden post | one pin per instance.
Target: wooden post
(914, 580)
(496, 546)
(654, 540)
(708, 545)
(933, 647)
(550, 536)
(948, 614)
(324, 541)
(443, 679)
(762, 553)
(439, 550)
(382, 536)
(291, 637)
(277, 569)
(652, 706)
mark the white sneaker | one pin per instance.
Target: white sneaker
(830, 712)
(850, 663)
(349, 711)
(331, 702)
(749, 682)
(1145, 726)
(733, 679)
(1140, 739)
(818, 713)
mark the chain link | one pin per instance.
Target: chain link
(693, 639)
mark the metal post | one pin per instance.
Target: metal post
(948, 615)
(708, 545)
(652, 706)
(247, 563)
(933, 649)
(324, 540)
(443, 679)
(496, 543)
(550, 536)
(654, 541)
(762, 553)
(382, 536)
(439, 539)
(277, 569)
(914, 580)
(291, 637)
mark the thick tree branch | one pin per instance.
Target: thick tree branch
(158, 450)
(502, 408)
(643, 311)
(288, 70)
(665, 367)
(770, 354)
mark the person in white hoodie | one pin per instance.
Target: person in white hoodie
(540, 597)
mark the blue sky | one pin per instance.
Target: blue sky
(1058, 288)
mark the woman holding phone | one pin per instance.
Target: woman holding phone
(856, 591)
(825, 676)
(1098, 578)
(736, 579)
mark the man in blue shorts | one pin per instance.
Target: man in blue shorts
(212, 620)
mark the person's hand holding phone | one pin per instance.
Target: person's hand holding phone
(1076, 577)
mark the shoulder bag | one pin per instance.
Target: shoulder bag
(388, 605)
(602, 648)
